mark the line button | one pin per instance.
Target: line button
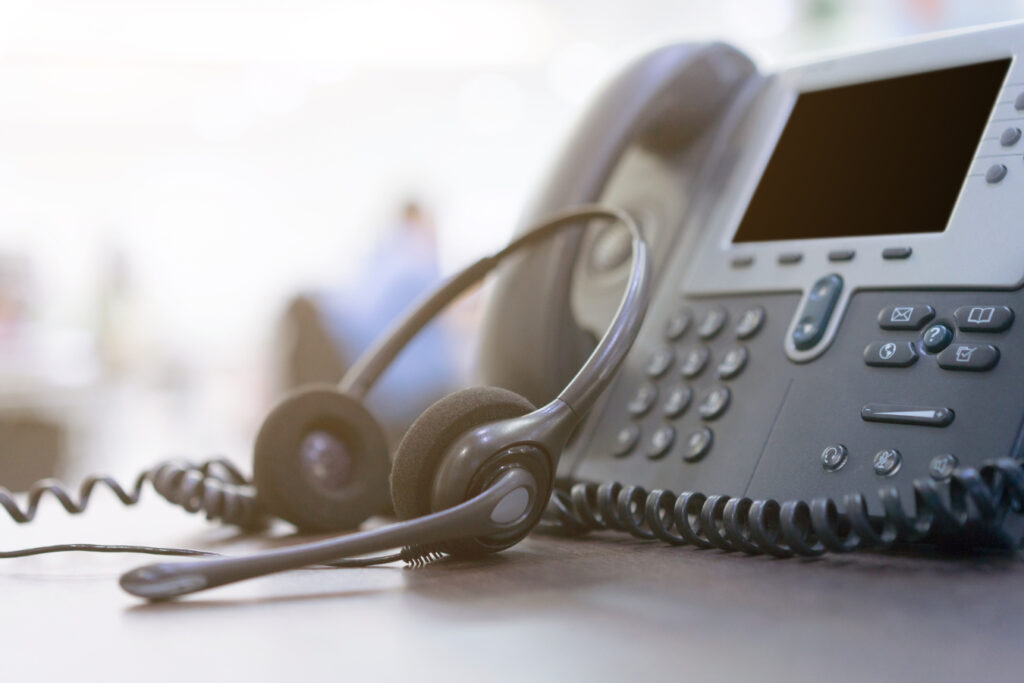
(906, 415)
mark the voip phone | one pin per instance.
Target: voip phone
(805, 286)
(841, 262)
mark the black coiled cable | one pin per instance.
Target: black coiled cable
(977, 506)
(214, 487)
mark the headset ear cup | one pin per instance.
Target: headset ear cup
(425, 444)
(321, 461)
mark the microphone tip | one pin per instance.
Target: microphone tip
(161, 582)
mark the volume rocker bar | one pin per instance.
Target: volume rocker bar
(906, 415)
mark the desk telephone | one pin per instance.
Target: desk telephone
(839, 262)
(805, 286)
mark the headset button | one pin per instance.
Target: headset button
(698, 444)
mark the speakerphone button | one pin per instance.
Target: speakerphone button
(995, 173)
(1009, 137)
(941, 467)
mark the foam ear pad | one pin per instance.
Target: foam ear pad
(321, 461)
(424, 445)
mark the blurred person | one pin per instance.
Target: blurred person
(327, 331)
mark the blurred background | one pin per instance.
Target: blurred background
(204, 202)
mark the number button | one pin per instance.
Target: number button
(733, 362)
(677, 401)
(711, 323)
(693, 362)
(625, 440)
(750, 322)
(645, 396)
(659, 362)
(698, 444)
(661, 442)
(677, 324)
(715, 402)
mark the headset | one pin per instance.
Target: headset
(471, 476)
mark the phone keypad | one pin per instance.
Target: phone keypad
(677, 376)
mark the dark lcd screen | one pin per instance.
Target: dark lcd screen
(879, 158)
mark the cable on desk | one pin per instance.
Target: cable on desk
(215, 487)
(978, 505)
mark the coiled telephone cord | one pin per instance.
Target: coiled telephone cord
(214, 487)
(977, 505)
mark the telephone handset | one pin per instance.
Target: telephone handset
(831, 340)
(648, 130)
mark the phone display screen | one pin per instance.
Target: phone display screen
(877, 158)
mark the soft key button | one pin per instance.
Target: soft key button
(816, 312)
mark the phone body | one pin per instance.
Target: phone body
(840, 264)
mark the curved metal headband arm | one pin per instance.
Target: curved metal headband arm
(599, 369)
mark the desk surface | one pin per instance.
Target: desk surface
(604, 607)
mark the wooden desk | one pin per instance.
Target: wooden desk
(603, 608)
